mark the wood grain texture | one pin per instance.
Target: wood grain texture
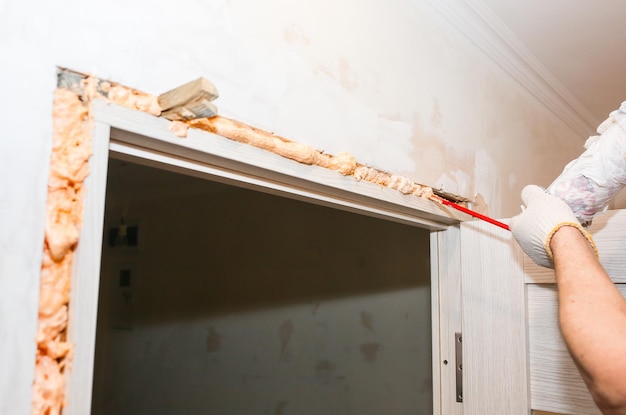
(494, 322)
(189, 101)
(608, 233)
(445, 257)
(556, 384)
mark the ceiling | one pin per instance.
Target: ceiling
(581, 43)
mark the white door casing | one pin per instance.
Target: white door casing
(126, 134)
(494, 322)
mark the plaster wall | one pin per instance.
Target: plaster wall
(387, 82)
(241, 302)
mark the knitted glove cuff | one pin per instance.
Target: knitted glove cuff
(580, 228)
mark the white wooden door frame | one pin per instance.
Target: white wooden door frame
(127, 134)
(494, 321)
(445, 256)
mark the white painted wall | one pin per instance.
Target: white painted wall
(247, 303)
(385, 81)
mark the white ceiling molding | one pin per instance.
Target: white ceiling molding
(475, 21)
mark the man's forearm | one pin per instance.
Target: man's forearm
(592, 316)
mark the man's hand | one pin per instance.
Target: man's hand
(535, 226)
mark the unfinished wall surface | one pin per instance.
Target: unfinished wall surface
(389, 83)
(241, 302)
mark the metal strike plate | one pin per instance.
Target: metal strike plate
(458, 351)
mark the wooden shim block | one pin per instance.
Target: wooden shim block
(189, 101)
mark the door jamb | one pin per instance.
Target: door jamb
(124, 133)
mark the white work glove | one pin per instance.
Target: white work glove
(544, 215)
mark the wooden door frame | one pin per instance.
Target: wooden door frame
(494, 320)
(129, 134)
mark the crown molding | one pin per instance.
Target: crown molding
(476, 22)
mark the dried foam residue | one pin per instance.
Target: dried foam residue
(69, 166)
(71, 149)
(344, 163)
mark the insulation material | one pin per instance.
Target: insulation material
(69, 166)
(133, 99)
(344, 163)
(71, 149)
(179, 128)
(588, 183)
